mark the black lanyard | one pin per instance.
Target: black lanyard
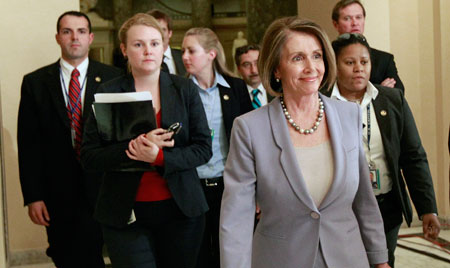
(368, 127)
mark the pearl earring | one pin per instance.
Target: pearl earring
(278, 80)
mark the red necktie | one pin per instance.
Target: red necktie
(74, 107)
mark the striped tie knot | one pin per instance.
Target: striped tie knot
(256, 103)
(75, 73)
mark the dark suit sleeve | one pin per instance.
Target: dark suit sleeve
(198, 151)
(29, 141)
(96, 155)
(414, 164)
(391, 71)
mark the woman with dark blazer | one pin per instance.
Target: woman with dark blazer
(224, 98)
(393, 148)
(153, 218)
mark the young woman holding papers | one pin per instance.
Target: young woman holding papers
(153, 218)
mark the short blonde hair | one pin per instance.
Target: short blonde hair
(209, 40)
(138, 19)
(273, 43)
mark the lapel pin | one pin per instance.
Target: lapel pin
(98, 79)
(226, 97)
(383, 112)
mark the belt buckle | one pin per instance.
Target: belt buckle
(210, 183)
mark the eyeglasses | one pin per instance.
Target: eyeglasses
(346, 36)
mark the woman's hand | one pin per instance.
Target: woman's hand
(141, 149)
(160, 137)
(382, 265)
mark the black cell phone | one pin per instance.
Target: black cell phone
(175, 128)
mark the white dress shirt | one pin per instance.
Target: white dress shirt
(376, 152)
(66, 76)
(168, 59)
(262, 97)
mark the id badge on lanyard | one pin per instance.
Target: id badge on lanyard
(374, 171)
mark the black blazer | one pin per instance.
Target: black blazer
(235, 101)
(405, 156)
(180, 102)
(383, 66)
(177, 54)
(49, 170)
(404, 153)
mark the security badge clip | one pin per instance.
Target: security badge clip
(374, 175)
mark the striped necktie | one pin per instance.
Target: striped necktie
(256, 103)
(74, 110)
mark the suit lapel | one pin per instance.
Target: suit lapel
(53, 84)
(288, 159)
(168, 98)
(339, 153)
(382, 114)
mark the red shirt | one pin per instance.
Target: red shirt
(153, 187)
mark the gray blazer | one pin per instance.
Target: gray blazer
(348, 224)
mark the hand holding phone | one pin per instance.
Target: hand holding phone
(175, 128)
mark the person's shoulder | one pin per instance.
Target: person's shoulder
(380, 53)
(95, 65)
(343, 108)
(177, 80)
(235, 83)
(38, 73)
(115, 84)
(393, 94)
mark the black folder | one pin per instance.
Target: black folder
(123, 121)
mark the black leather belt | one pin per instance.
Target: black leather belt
(212, 182)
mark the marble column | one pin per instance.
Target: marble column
(260, 13)
(201, 13)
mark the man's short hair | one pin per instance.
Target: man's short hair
(159, 15)
(76, 14)
(242, 50)
(343, 3)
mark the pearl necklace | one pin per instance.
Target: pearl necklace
(295, 126)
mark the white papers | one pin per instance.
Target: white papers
(122, 97)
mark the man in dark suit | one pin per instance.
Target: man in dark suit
(349, 17)
(246, 58)
(55, 100)
(172, 61)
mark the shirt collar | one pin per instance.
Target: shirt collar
(370, 94)
(67, 68)
(219, 79)
(251, 88)
(168, 53)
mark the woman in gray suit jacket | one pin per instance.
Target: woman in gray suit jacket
(391, 140)
(313, 214)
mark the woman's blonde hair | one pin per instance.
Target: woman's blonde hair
(209, 40)
(138, 19)
(273, 43)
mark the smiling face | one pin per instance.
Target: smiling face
(301, 66)
(144, 49)
(351, 20)
(353, 71)
(74, 38)
(195, 58)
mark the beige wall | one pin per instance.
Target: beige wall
(414, 31)
(27, 35)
